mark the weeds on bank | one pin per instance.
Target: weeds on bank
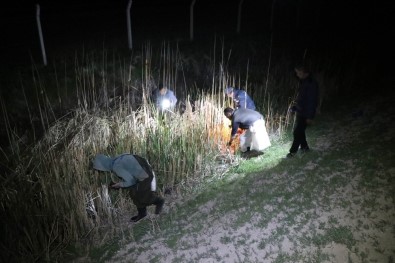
(50, 187)
(310, 202)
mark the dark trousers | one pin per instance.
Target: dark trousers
(299, 134)
(141, 193)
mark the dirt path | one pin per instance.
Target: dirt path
(334, 204)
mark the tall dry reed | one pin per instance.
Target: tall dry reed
(52, 197)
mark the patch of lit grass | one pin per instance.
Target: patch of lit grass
(340, 235)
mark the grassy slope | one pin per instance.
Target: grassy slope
(333, 204)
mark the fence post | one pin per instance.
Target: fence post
(129, 27)
(191, 20)
(40, 33)
(239, 17)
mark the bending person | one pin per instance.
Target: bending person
(255, 137)
(136, 175)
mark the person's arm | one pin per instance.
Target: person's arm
(235, 127)
(127, 176)
(129, 170)
(236, 98)
(173, 98)
(311, 101)
(116, 185)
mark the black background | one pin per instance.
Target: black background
(336, 27)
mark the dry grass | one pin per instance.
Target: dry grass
(333, 204)
(49, 187)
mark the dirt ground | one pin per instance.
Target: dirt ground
(317, 234)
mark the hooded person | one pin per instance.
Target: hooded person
(240, 98)
(136, 175)
(256, 137)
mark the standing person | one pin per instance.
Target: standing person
(305, 108)
(240, 98)
(255, 137)
(137, 176)
(164, 98)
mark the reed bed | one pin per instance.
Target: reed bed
(51, 197)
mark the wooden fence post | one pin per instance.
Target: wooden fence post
(191, 20)
(129, 27)
(40, 33)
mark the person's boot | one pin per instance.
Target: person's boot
(142, 212)
(159, 201)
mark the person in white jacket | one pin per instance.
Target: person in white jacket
(137, 175)
(255, 137)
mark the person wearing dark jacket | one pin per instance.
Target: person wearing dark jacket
(240, 98)
(305, 109)
(255, 136)
(137, 176)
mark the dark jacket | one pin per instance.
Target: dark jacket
(307, 100)
(244, 118)
(242, 100)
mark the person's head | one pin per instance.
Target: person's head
(229, 92)
(102, 163)
(162, 89)
(228, 112)
(302, 72)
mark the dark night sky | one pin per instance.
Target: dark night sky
(337, 25)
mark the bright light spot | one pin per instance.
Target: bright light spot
(165, 104)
